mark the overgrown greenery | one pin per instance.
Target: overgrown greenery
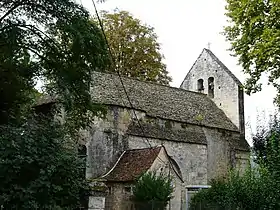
(54, 42)
(40, 167)
(254, 33)
(258, 188)
(254, 190)
(135, 47)
(154, 190)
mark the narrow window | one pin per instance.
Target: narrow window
(84, 199)
(82, 152)
(211, 87)
(200, 86)
(110, 190)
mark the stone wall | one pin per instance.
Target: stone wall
(191, 158)
(107, 139)
(201, 153)
(218, 153)
(242, 161)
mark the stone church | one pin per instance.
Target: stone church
(195, 132)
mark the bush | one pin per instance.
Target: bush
(40, 167)
(153, 190)
(252, 191)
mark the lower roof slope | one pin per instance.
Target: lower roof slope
(159, 101)
(153, 130)
(132, 164)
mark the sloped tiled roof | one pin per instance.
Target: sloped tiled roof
(159, 101)
(153, 130)
(132, 164)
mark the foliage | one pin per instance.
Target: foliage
(39, 167)
(254, 33)
(53, 41)
(267, 148)
(135, 48)
(154, 189)
(255, 190)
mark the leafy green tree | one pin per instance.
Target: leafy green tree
(254, 33)
(55, 42)
(266, 147)
(153, 190)
(39, 166)
(135, 48)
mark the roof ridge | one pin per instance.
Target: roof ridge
(152, 83)
(160, 101)
(115, 165)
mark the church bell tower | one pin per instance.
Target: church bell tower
(210, 76)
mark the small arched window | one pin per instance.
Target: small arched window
(211, 87)
(200, 86)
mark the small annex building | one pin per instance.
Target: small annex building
(137, 162)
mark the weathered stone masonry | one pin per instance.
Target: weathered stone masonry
(228, 92)
(202, 132)
(200, 124)
(185, 122)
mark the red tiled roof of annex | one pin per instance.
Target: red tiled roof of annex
(133, 164)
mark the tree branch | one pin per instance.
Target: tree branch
(33, 51)
(34, 30)
(9, 12)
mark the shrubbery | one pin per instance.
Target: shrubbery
(253, 190)
(153, 190)
(40, 167)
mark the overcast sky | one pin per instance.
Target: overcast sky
(184, 28)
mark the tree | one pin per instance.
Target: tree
(254, 33)
(153, 190)
(135, 48)
(39, 166)
(266, 147)
(55, 42)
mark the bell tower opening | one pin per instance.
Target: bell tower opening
(200, 86)
(211, 87)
